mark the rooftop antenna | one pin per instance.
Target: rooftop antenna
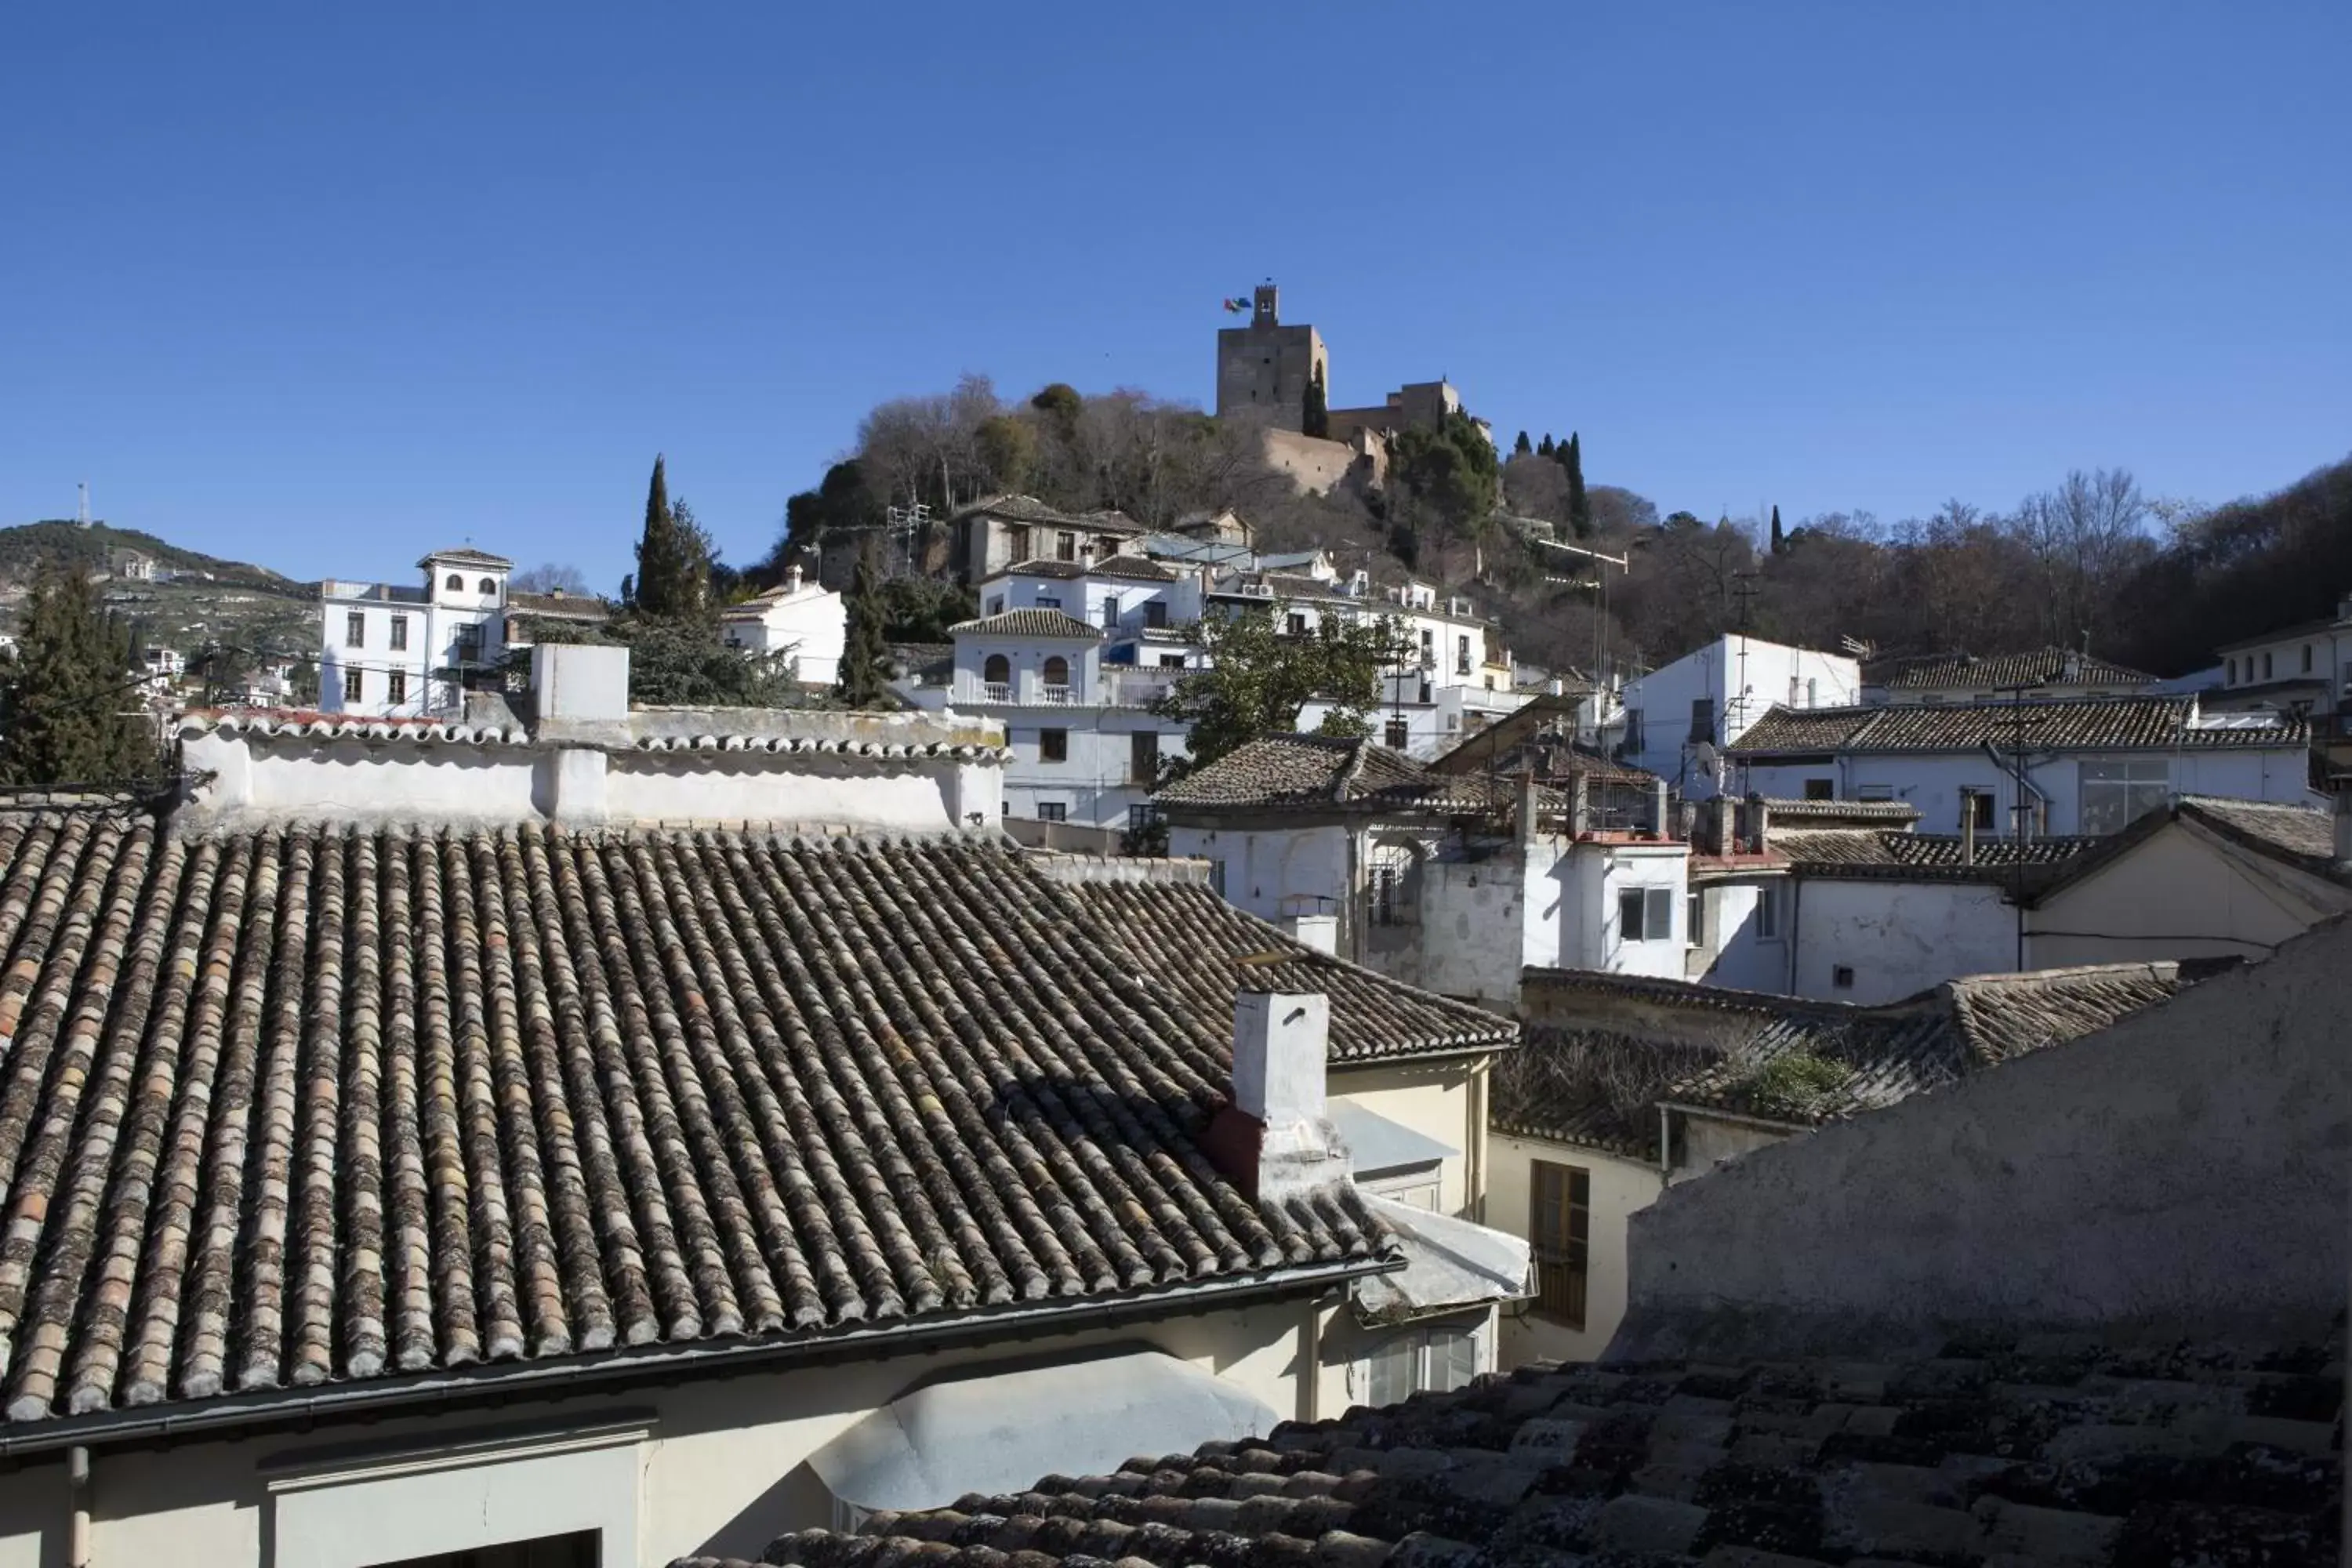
(83, 515)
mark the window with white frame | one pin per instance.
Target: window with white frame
(1768, 911)
(1645, 914)
(1420, 1361)
(1695, 920)
(2114, 795)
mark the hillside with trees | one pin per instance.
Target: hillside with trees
(2091, 561)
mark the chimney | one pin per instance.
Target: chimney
(1085, 558)
(1320, 933)
(793, 578)
(1275, 1141)
(1525, 819)
(580, 680)
(1580, 805)
(1759, 824)
(1658, 808)
(1723, 822)
(1687, 821)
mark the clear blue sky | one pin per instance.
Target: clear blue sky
(319, 286)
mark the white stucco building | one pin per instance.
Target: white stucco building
(1678, 720)
(404, 651)
(803, 625)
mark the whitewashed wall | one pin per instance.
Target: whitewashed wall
(1898, 938)
(1262, 869)
(1933, 782)
(2180, 893)
(1618, 1187)
(1734, 955)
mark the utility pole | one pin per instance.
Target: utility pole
(1744, 587)
(2019, 724)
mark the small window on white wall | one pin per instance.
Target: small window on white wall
(1768, 912)
(1645, 914)
(1422, 1361)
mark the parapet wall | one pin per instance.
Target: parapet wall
(2183, 1174)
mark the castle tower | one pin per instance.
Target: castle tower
(1265, 366)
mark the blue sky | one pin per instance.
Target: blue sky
(320, 286)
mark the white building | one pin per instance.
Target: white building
(2088, 766)
(527, 1179)
(1453, 883)
(396, 650)
(804, 625)
(1678, 719)
(1005, 530)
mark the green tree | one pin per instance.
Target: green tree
(1008, 450)
(1452, 470)
(1580, 505)
(672, 581)
(1544, 449)
(1519, 448)
(1315, 419)
(1780, 541)
(69, 708)
(865, 658)
(1261, 676)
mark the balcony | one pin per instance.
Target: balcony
(1135, 687)
(1056, 696)
(996, 692)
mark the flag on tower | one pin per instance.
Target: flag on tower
(1237, 306)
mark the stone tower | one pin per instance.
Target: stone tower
(1265, 366)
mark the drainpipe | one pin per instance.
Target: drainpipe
(77, 1491)
(1796, 907)
(1310, 1357)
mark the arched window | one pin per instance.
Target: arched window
(456, 584)
(1057, 671)
(490, 585)
(998, 670)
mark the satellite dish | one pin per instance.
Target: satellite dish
(1704, 756)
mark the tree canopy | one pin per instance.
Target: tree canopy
(1261, 676)
(69, 705)
(672, 577)
(865, 658)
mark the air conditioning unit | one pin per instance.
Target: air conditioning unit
(1257, 590)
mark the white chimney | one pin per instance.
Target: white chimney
(1320, 933)
(793, 578)
(1275, 1139)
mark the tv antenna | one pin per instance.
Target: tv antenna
(82, 515)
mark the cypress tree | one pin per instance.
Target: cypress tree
(1544, 447)
(1778, 542)
(1315, 419)
(673, 575)
(865, 656)
(68, 703)
(1580, 505)
(1519, 448)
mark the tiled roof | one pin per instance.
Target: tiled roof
(1029, 624)
(560, 606)
(1141, 567)
(2294, 629)
(2051, 666)
(1596, 1087)
(465, 555)
(1029, 509)
(2052, 1449)
(1869, 1057)
(651, 728)
(1195, 940)
(2089, 723)
(312, 1106)
(1839, 813)
(1899, 854)
(311, 724)
(1308, 772)
(2296, 835)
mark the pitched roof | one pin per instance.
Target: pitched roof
(1316, 772)
(1029, 509)
(2000, 1450)
(310, 1106)
(1597, 1087)
(465, 555)
(2296, 835)
(2042, 665)
(1796, 1061)
(2086, 723)
(1887, 854)
(1029, 624)
(1839, 813)
(1195, 940)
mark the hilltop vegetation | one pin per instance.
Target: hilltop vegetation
(251, 613)
(23, 548)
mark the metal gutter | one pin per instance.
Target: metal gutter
(560, 1376)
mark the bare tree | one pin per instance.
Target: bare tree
(2082, 537)
(550, 577)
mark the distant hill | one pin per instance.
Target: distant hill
(202, 602)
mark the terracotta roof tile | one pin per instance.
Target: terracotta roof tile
(1029, 624)
(1307, 772)
(309, 1105)
(1894, 854)
(2003, 1449)
(2051, 666)
(2090, 723)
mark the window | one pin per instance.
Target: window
(354, 686)
(1976, 809)
(1155, 613)
(1057, 679)
(1016, 541)
(470, 644)
(1645, 914)
(1297, 624)
(575, 1551)
(1768, 912)
(1052, 811)
(1702, 719)
(2116, 794)
(454, 582)
(1421, 1361)
(2231, 672)
(1217, 878)
(1559, 1229)
(1821, 789)
(396, 688)
(1399, 734)
(1875, 792)
(355, 630)
(1461, 655)
(1052, 745)
(1171, 661)
(490, 586)
(1143, 757)
(997, 671)
(1841, 977)
(996, 605)
(1065, 547)
(1695, 920)
(2306, 659)
(399, 633)
(1389, 895)
(1049, 601)
(1111, 611)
